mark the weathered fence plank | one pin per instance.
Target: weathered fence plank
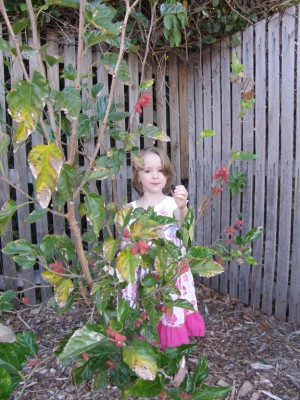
(260, 151)
(161, 103)
(183, 121)
(236, 133)
(272, 162)
(294, 297)
(226, 146)
(216, 145)
(286, 161)
(248, 142)
(8, 266)
(174, 117)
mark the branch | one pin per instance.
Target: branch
(30, 198)
(153, 15)
(14, 39)
(103, 126)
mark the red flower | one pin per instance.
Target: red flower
(143, 101)
(126, 233)
(25, 300)
(222, 173)
(230, 230)
(85, 356)
(216, 190)
(111, 365)
(238, 225)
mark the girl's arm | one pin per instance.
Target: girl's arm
(180, 195)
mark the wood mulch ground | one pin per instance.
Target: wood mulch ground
(254, 353)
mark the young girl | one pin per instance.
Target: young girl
(152, 182)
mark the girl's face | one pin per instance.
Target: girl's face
(151, 176)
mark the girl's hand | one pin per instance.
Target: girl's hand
(180, 195)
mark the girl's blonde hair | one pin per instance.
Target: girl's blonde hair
(166, 167)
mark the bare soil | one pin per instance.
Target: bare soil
(256, 354)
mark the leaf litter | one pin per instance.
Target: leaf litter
(256, 354)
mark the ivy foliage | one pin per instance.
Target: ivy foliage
(178, 23)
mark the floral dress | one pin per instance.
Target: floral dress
(176, 328)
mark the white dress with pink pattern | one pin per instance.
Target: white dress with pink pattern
(175, 329)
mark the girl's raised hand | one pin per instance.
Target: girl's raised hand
(180, 195)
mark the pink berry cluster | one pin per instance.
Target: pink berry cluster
(143, 101)
(116, 337)
(221, 174)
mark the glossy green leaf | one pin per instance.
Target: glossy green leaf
(52, 60)
(122, 311)
(207, 132)
(242, 156)
(206, 268)
(144, 388)
(6, 300)
(101, 16)
(251, 260)
(145, 85)
(81, 373)
(153, 132)
(140, 17)
(49, 244)
(184, 304)
(62, 290)
(82, 340)
(96, 90)
(36, 214)
(211, 392)
(141, 359)
(110, 247)
(95, 211)
(6, 213)
(69, 100)
(45, 162)
(201, 252)
(112, 161)
(100, 381)
(126, 264)
(200, 373)
(5, 45)
(236, 68)
(122, 216)
(66, 181)
(6, 384)
(66, 248)
(253, 234)
(25, 102)
(173, 393)
(69, 73)
(109, 61)
(27, 342)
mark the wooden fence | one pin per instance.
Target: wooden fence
(189, 96)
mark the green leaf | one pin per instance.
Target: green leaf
(5, 45)
(211, 392)
(145, 85)
(66, 181)
(206, 268)
(49, 244)
(215, 3)
(95, 211)
(236, 67)
(251, 260)
(200, 373)
(4, 142)
(6, 213)
(112, 161)
(141, 359)
(96, 90)
(45, 162)
(36, 214)
(66, 248)
(253, 234)
(20, 25)
(69, 73)
(62, 290)
(242, 156)
(69, 100)
(110, 247)
(207, 132)
(153, 132)
(173, 393)
(6, 301)
(6, 385)
(25, 102)
(52, 60)
(26, 341)
(140, 17)
(100, 381)
(201, 252)
(144, 388)
(122, 311)
(126, 264)
(109, 61)
(82, 340)
(101, 16)
(64, 3)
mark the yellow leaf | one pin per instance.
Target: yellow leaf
(62, 291)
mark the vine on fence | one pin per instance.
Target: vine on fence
(118, 344)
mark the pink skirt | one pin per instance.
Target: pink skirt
(173, 336)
